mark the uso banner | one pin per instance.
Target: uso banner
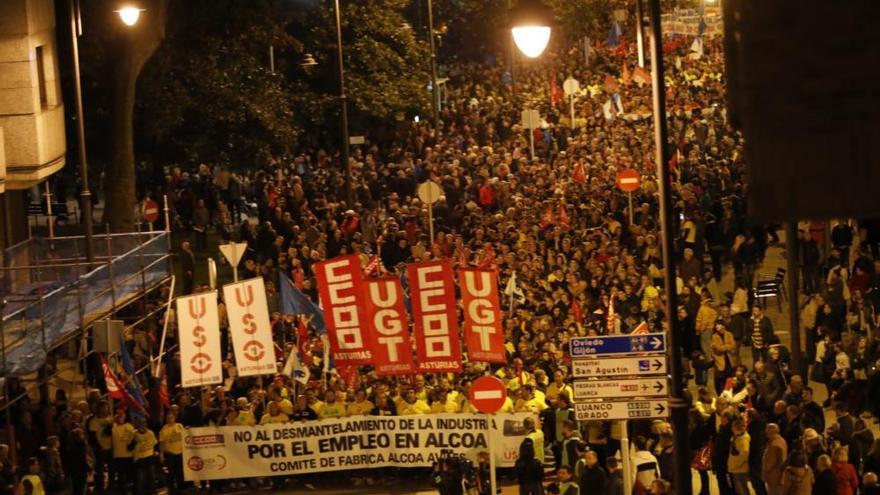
(249, 327)
(432, 291)
(198, 328)
(389, 333)
(339, 285)
(359, 442)
(483, 334)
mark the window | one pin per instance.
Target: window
(41, 75)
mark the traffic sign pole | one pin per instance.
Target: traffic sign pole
(630, 194)
(488, 395)
(624, 457)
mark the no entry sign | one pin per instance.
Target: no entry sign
(488, 394)
(151, 211)
(628, 180)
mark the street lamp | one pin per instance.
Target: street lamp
(530, 23)
(343, 103)
(129, 15)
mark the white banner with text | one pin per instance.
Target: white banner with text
(358, 442)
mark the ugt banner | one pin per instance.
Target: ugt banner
(358, 442)
(198, 328)
(432, 291)
(340, 288)
(389, 332)
(249, 327)
(483, 334)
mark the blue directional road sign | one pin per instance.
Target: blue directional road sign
(648, 343)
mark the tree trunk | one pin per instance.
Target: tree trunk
(136, 48)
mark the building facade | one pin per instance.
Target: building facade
(32, 134)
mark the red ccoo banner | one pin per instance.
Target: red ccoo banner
(483, 334)
(389, 334)
(432, 291)
(340, 288)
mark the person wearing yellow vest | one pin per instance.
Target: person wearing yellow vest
(412, 405)
(143, 453)
(361, 406)
(443, 403)
(171, 453)
(31, 482)
(273, 415)
(122, 436)
(559, 387)
(537, 437)
(528, 402)
(100, 430)
(331, 408)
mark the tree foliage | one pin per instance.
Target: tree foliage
(209, 94)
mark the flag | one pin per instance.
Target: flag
(608, 110)
(114, 388)
(293, 301)
(641, 329)
(576, 311)
(547, 218)
(325, 341)
(131, 383)
(611, 84)
(641, 76)
(463, 255)
(614, 35)
(555, 93)
(302, 337)
(579, 175)
(611, 317)
(697, 47)
(373, 267)
(625, 74)
(294, 368)
(512, 290)
(488, 260)
(563, 218)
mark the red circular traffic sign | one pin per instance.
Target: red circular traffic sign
(151, 211)
(628, 180)
(488, 394)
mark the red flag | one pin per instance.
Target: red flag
(114, 388)
(463, 255)
(625, 74)
(579, 174)
(673, 162)
(435, 319)
(488, 260)
(302, 337)
(576, 311)
(164, 397)
(555, 93)
(372, 267)
(641, 76)
(563, 218)
(340, 286)
(611, 85)
(641, 329)
(547, 218)
(389, 330)
(612, 317)
(483, 334)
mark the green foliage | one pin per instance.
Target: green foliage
(208, 94)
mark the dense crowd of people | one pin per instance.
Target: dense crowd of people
(587, 266)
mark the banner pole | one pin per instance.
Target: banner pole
(493, 478)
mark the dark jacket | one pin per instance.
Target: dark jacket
(826, 483)
(595, 478)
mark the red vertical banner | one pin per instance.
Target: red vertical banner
(483, 334)
(340, 287)
(432, 292)
(389, 332)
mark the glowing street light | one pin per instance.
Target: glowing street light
(129, 15)
(530, 22)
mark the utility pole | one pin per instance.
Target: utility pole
(678, 406)
(435, 91)
(343, 102)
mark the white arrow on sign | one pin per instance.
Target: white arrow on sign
(627, 366)
(607, 410)
(610, 389)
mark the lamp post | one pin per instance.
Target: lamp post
(435, 91)
(343, 102)
(530, 24)
(677, 404)
(86, 193)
